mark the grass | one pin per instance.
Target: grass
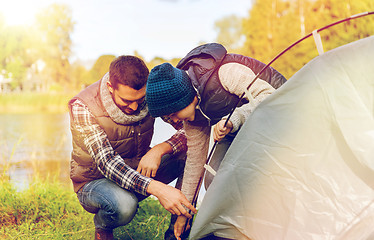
(48, 210)
(34, 102)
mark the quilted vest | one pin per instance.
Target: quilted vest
(130, 141)
(202, 65)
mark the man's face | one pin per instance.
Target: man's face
(126, 98)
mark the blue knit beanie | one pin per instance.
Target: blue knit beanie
(169, 90)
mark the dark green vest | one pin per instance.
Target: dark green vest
(130, 141)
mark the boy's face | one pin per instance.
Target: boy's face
(186, 114)
(126, 98)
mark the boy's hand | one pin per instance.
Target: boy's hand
(220, 131)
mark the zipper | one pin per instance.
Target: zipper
(198, 105)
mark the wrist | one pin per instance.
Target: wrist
(164, 148)
(229, 125)
(154, 187)
(235, 123)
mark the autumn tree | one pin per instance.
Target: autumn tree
(15, 53)
(99, 69)
(55, 25)
(156, 61)
(230, 32)
(273, 25)
(79, 76)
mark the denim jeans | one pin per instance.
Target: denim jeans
(114, 206)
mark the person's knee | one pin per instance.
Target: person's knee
(126, 211)
(119, 209)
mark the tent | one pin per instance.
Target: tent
(302, 166)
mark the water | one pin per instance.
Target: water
(40, 145)
(32, 144)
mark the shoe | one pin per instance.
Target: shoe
(101, 234)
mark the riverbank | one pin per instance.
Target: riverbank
(37, 144)
(34, 102)
(48, 210)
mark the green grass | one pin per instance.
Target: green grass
(34, 102)
(48, 210)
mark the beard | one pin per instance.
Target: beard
(128, 111)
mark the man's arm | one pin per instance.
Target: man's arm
(150, 162)
(110, 163)
(114, 168)
(171, 198)
(177, 143)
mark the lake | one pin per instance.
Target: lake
(40, 144)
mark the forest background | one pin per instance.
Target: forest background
(37, 59)
(38, 75)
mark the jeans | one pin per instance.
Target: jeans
(218, 155)
(114, 206)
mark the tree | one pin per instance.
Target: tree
(79, 76)
(99, 69)
(273, 25)
(155, 61)
(14, 54)
(54, 25)
(230, 32)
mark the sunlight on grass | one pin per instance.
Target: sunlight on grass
(48, 210)
(45, 207)
(34, 102)
(45, 210)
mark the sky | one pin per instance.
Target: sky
(162, 28)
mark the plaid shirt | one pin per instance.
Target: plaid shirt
(109, 162)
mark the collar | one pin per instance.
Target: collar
(114, 112)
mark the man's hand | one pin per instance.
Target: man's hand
(220, 131)
(170, 198)
(150, 162)
(179, 226)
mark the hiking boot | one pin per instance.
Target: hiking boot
(101, 234)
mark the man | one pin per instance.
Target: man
(201, 91)
(112, 165)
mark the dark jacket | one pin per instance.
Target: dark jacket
(202, 64)
(130, 141)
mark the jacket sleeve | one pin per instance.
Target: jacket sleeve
(235, 78)
(197, 151)
(178, 141)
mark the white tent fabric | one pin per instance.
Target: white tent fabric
(302, 167)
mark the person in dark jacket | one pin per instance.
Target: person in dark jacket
(112, 165)
(201, 91)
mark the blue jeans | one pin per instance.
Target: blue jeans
(114, 206)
